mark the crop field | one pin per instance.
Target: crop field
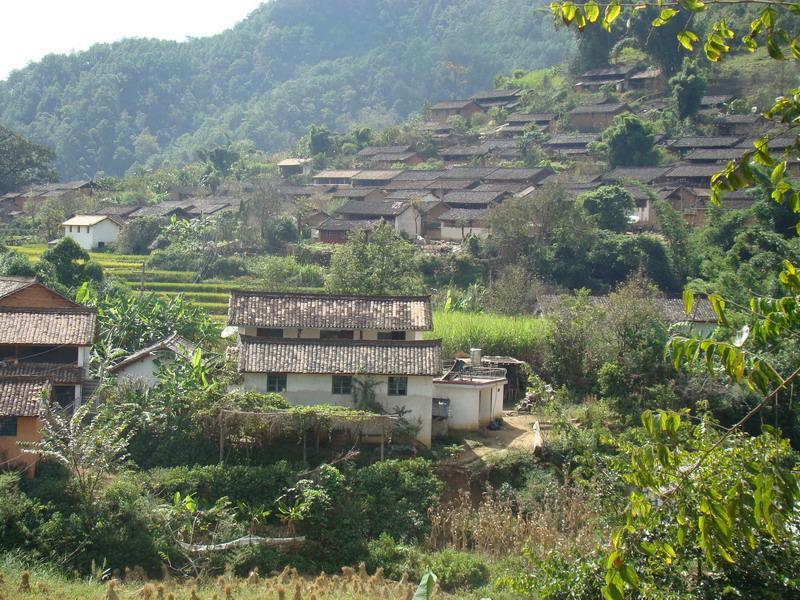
(520, 337)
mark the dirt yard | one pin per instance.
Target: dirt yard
(517, 433)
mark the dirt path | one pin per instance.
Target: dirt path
(517, 433)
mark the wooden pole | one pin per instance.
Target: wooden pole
(383, 434)
(221, 436)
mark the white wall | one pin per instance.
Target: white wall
(89, 237)
(310, 390)
(455, 233)
(144, 371)
(472, 405)
(409, 222)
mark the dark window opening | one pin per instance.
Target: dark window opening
(264, 332)
(276, 382)
(398, 386)
(64, 395)
(342, 384)
(392, 335)
(8, 426)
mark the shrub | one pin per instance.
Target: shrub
(457, 570)
(17, 514)
(256, 485)
(396, 559)
(226, 266)
(395, 496)
(255, 402)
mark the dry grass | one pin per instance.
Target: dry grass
(563, 522)
(352, 584)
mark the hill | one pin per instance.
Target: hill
(291, 63)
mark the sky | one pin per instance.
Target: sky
(34, 28)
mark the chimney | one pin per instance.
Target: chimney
(475, 357)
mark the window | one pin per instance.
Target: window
(70, 228)
(398, 386)
(64, 395)
(101, 244)
(269, 333)
(328, 334)
(391, 335)
(8, 426)
(342, 384)
(276, 382)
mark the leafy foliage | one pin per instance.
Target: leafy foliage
(22, 162)
(629, 142)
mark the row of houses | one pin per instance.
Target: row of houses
(311, 348)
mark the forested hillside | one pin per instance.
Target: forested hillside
(289, 64)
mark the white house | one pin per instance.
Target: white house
(311, 348)
(92, 231)
(143, 366)
(474, 394)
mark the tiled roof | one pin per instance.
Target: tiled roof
(507, 174)
(465, 214)
(451, 105)
(471, 197)
(609, 107)
(346, 357)
(157, 210)
(465, 151)
(720, 141)
(467, 172)
(496, 94)
(360, 192)
(385, 175)
(693, 171)
(671, 309)
(379, 208)
(10, 285)
(714, 154)
(612, 71)
(452, 184)
(332, 174)
(413, 184)
(57, 373)
(571, 139)
(324, 311)
(174, 343)
(21, 397)
(418, 175)
(643, 174)
(55, 326)
(531, 117)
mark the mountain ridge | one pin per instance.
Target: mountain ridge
(140, 102)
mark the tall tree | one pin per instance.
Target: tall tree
(630, 142)
(22, 162)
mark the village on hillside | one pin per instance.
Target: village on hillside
(536, 341)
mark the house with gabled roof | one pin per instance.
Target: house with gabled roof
(44, 353)
(595, 117)
(311, 348)
(92, 231)
(143, 366)
(401, 214)
(442, 111)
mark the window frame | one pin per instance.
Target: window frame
(398, 386)
(279, 380)
(271, 333)
(9, 426)
(338, 386)
(337, 334)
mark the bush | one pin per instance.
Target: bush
(256, 485)
(17, 514)
(255, 402)
(457, 570)
(226, 266)
(394, 558)
(395, 496)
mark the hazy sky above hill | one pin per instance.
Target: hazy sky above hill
(34, 28)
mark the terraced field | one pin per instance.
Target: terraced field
(211, 295)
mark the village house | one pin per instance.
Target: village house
(166, 210)
(691, 143)
(364, 193)
(458, 223)
(384, 157)
(747, 124)
(374, 178)
(570, 144)
(615, 76)
(643, 174)
(649, 81)
(502, 98)
(696, 175)
(595, 117)
(332, 177)
(44, 351)
(401, 214)
(289, 167)
(442, 111)
(335, 230)
(92, 231)
(311, 348)
(142, 367)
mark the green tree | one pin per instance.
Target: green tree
(610, 205)
(138, 234)
(630, 142)
(375, 262)
(688, 88)
(22, 162)
(71, 263)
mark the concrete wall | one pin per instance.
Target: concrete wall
(472, 405)
(144, 370)
(27, 431)
(310, 390)
(89, 237)
(409, 222)
(458, 233)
